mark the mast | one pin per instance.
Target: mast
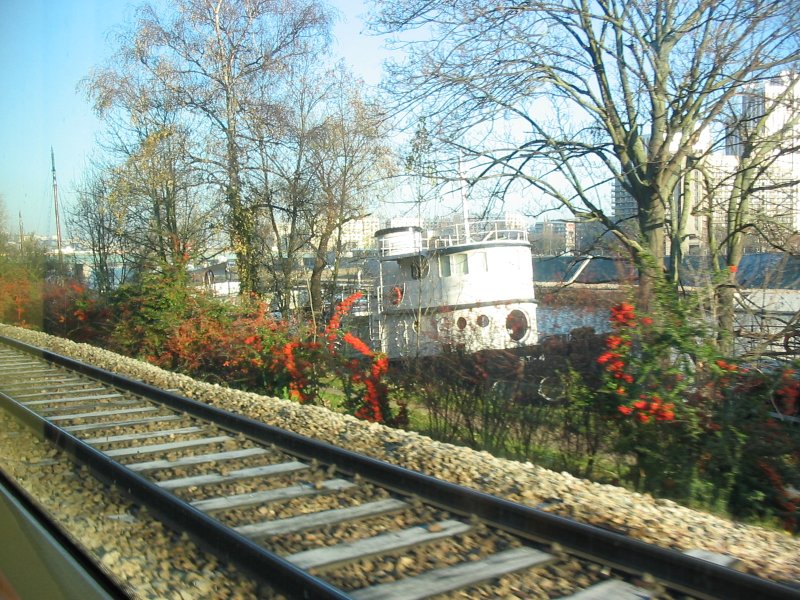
(55, 205)
(464, 205)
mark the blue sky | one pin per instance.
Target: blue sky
(46, 48)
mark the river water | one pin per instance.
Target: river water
(561, 320)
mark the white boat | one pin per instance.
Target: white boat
(465, 288)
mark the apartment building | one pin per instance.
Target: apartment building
(765, 119)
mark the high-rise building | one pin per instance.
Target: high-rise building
(624, 204)
(765, 120)
(690, 188)
(766, 133)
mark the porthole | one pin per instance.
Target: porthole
(483, 321)
(461, 323)
(517, 325)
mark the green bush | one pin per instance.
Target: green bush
(651, 397)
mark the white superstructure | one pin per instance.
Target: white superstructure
(464, 288)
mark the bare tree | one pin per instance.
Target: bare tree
(284, 182)
(169, 214)
(595, 93)
(156, 189)
(214, 62)
(150, 184)
(754, 200)
(93, 222)
(349, 158)
(316, 175)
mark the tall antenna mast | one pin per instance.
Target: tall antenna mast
(55, 205)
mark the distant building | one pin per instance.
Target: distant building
(767, 112)
(770, 113)
(554, 237)
(515, 220)
(402, 222)
(624, 205)
(359, 234)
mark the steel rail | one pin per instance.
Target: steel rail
(694, 576)
(210, 534)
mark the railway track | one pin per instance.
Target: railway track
(322, 522)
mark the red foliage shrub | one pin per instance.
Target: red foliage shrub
(73, 311)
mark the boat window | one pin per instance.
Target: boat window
(460, 264)
(453, 264)
(444, 266)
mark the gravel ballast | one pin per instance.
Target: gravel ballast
(763, 552)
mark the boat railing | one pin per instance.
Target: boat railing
(476, 232)
(412, 241)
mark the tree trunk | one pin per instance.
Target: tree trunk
(320, 262)
(725, 317)
(242, 219)
(651, 259)
(738, 211)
